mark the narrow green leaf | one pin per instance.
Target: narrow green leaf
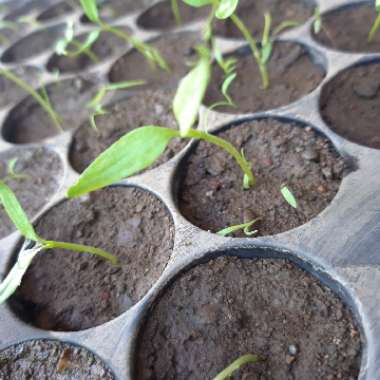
(286, 25)
(288, 196)
(90, 8)
(90, 40)
(226, 8)
(266, 52)
(244, 226)
(245, 359)
(317, 24)
(176, 12)
(198, 3)
(132, 153)
(16, 212)
(124, 85)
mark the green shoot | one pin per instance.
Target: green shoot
(376, 23)
(244, 226)
(42, 100)
(153, 56)
(139, 148)
(317, 24)
(176, 13)
(20, 220)
(234, 366)
(288, 196)
(11, 171)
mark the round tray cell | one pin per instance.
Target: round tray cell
(34, 44)
(211, 195)
(177, 49)
(160, 16)
(347, 28)
(10, 92)
(227, 307)
(350, 104)
(252, 14)
(50, 359)
(105, 47)
(69, 291)
(60, 9)
(144, 108)
(293, 73)
(38, 171)
(28, 122)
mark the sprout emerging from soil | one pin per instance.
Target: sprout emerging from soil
(11, 171)
(90, 8)
(317, 24)
(246, 227)
(376, 24)
(234, 366)
(33, 244)
(288, 196)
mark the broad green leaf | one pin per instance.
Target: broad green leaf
(132, 153)
(288, 196)
(226, 8)
(245, 359)
(90, 9)
(190, 93)
(16, 212)
(244, 226)
(198, 3)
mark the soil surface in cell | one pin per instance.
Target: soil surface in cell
(71, 291)
(350, 104)
(57, 10)
(51, 360)
(292, 74)
(160, 16)
(33, 44)
(228, 307)
(28, 122)
(177, 49)
(347, 29)
(211, 193)
(33, 174)
(145, 108)
(252, 14)
(105, 47)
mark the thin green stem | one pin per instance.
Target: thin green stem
(90, 54)
(374, 28)
(229, 148)
(56, 119)
(176, 13)
(245, 359)
(254, 48)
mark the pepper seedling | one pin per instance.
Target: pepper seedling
(141, 147)
(235, 365)
(288, 196)
(246, 227)
(376, 24)
(90, 9)
(33, 244)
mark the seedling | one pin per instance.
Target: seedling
(376, 24)
(141, 147)
(42, 99)
(90, 8)
(33, 245)
(176, 13)
(288, 196)
(11, 171)
(246, 227)
(234, 366)
(317, 24)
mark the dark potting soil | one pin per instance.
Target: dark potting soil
(28, 122)
(347, 29)
(177, 49)
(34, 44)
(228, 307)
(10, 92)
(252, 14)
(292, 74)
(160, 16)
(350, 104)
(41, 169)
(57, 10)
(211, 195)
(144, 108)
(51, 360)
(70, 291)
(105, 47)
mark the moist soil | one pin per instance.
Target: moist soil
(228, 307)
(10, 92)
(69, 291)
(210, 189)
(252, 14)
(41, 170)
(60, 9)
(350, 104)
(105, 47)
(28, 122)
(292, 74)
(347, 29)
(177, 49)
(160, 16)
(51, 360)
(34, 44)
(145, 108)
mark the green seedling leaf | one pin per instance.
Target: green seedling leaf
(190, 93)
(226, 8)
(132, 153)
(317, 24)
(374, 28)
(288, 196)
(266, 52)
(226, 85)
(244, 226)
(90, 8)
(234, 366)
(198, 3)
(285, 25)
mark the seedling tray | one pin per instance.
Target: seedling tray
(340, 246)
